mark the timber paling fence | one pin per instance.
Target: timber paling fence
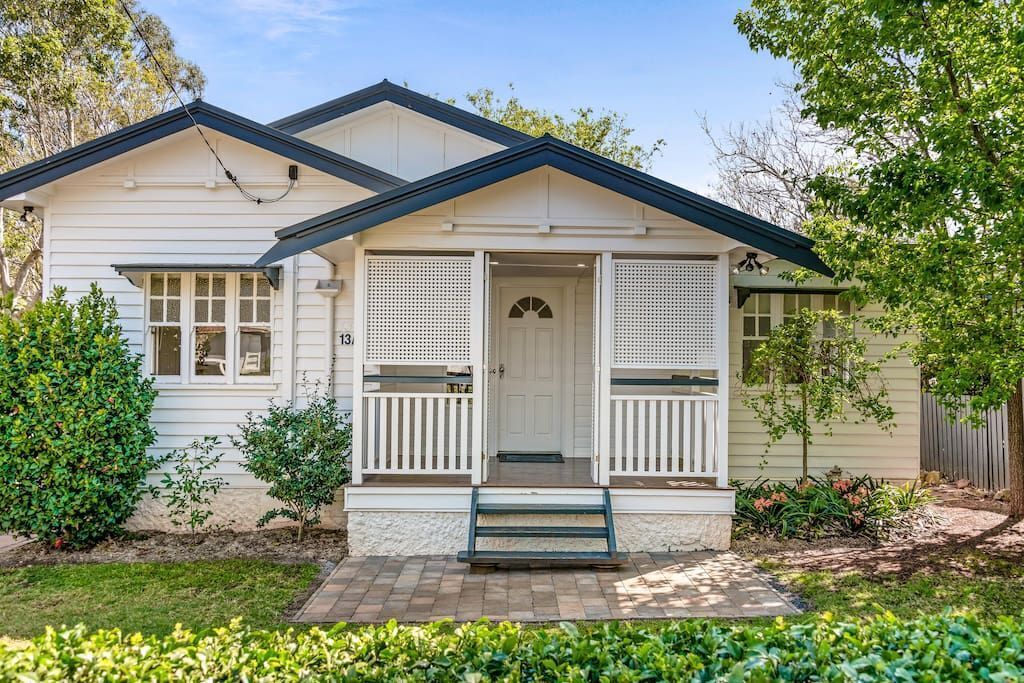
(960, 451)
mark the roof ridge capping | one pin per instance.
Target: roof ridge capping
(545, 151)
(131, 137)
(386, 91)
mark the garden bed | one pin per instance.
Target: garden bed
(320, 546)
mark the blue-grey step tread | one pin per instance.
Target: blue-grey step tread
(540, 556)
(538, 509)
(543, 531)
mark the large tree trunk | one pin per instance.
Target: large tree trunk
(1015, 449)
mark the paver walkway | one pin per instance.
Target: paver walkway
(649, 586)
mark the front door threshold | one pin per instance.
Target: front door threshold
(530, 456)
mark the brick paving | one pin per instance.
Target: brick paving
(648, 586)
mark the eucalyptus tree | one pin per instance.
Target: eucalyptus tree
(69, 72)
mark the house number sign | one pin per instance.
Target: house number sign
(345, 338)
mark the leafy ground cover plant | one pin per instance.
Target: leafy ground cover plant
(935, 648)
(189, 492)
(815, 508)
(74, 422)
(302, 452)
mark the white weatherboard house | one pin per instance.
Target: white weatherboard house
(526, 333)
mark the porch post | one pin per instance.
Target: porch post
(604, 363)
(359, 343)
(476, 340)
(724, 373)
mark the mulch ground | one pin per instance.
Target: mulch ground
(325, 547)
(971, 533)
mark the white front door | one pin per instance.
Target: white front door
(529, 369)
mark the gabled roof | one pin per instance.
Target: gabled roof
(544, 151)
(109, 146)
(385, 91)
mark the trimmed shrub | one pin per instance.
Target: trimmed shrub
(826, 507)
(935, 648)
(74, 422)
(301, 452)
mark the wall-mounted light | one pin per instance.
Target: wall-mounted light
(26, 212)
(749, 264)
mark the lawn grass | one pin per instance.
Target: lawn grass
(984, 588)
(149, 598)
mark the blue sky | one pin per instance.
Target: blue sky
(661, 63)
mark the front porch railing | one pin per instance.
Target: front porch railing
(417, 433)
(664, 435)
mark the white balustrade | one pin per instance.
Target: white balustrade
(417, 433)
(664, 435)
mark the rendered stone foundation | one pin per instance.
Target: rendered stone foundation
(446, 533)
(234, 508)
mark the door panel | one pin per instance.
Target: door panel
(529, 389)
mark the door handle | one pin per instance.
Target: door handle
(501, 371)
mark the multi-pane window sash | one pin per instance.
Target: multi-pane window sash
(762, 312)
(222, 321)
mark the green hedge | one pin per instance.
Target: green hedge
(937, 648)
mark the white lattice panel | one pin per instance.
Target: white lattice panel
(665, 314)
(418, 309)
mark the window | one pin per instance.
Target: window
(757, 323)
(761, 312)
(254, 298)
(530, 303)
(165, 323)
(226, 318)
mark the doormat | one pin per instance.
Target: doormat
(530, 457)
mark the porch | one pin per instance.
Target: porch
(612, 368)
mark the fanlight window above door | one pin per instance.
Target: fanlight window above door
(530, 303)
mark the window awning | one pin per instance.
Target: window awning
(743, 293)
(136, 272)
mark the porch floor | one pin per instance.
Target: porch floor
(648, 586)
(573, 473)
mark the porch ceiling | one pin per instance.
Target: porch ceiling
(544, 151)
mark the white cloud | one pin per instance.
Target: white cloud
(277, 18)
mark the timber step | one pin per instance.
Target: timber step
(540, 558)
(542, 531)
(538, 509)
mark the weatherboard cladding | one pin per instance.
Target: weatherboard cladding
(544, 151)
(386, 91)
(132, 137)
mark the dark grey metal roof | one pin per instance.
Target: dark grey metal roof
(545, 151)
(109, 146)
(385, 91)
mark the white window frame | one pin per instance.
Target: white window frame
(187, 376)
(268, 326)
(149, 353)
(778, 316)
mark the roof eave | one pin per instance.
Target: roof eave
(557, 154)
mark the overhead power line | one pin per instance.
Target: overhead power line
(292, 174)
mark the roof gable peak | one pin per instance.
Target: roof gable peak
(386, 91)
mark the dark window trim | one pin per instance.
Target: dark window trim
(136, 272)
(743, 293)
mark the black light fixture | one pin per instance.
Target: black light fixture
(749, 264)
(26, 212)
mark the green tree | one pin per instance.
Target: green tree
(604, 133)
(928, 212)
(71, 71)
(811, 372)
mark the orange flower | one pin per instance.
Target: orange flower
(843, 485)
(762, 504)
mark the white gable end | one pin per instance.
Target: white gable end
(399, 141)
